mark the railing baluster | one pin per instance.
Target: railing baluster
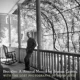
(68, 67)
(61, 66)
(78, 68)
(36, 58)
(58, 64)
(75, 65)
(31, 61)
(45, 60)
(49, 61)
(73, 69)
(52, 63)
(65, 67)
(55, 64)
(42, 59)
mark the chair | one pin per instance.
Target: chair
(10, 56)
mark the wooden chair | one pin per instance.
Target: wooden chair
(10, 56)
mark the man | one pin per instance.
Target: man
(31, 44)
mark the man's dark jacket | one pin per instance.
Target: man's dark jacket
(31, 44)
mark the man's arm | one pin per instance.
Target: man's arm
(34, 44)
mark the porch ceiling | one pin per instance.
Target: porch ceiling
(9, 6)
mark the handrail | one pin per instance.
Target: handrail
(64, 64)
(59, 52)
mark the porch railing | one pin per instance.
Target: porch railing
(59, 64)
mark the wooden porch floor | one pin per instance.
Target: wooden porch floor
(17, 69)
(15, 66)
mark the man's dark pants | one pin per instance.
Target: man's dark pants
(26, 59)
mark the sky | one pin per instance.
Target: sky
(7, 5)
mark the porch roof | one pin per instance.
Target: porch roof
(9, 6)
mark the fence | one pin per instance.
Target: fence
(59, 64)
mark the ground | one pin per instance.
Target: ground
(19, 74)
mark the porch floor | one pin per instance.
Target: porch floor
(18, 68)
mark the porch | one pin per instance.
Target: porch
(60, 63)
(17, 73)
(53, 64)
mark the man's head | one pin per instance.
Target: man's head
(28, 35)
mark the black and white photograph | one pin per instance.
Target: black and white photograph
(39, 39)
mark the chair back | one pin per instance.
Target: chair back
(5, 50)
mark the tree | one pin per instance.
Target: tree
(57, 16)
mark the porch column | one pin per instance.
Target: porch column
(19, 31)
(9, 31)
(38, 25)
(79, 42)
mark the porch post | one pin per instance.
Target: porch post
(19, 31)
(38, 25)
(9, 31)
